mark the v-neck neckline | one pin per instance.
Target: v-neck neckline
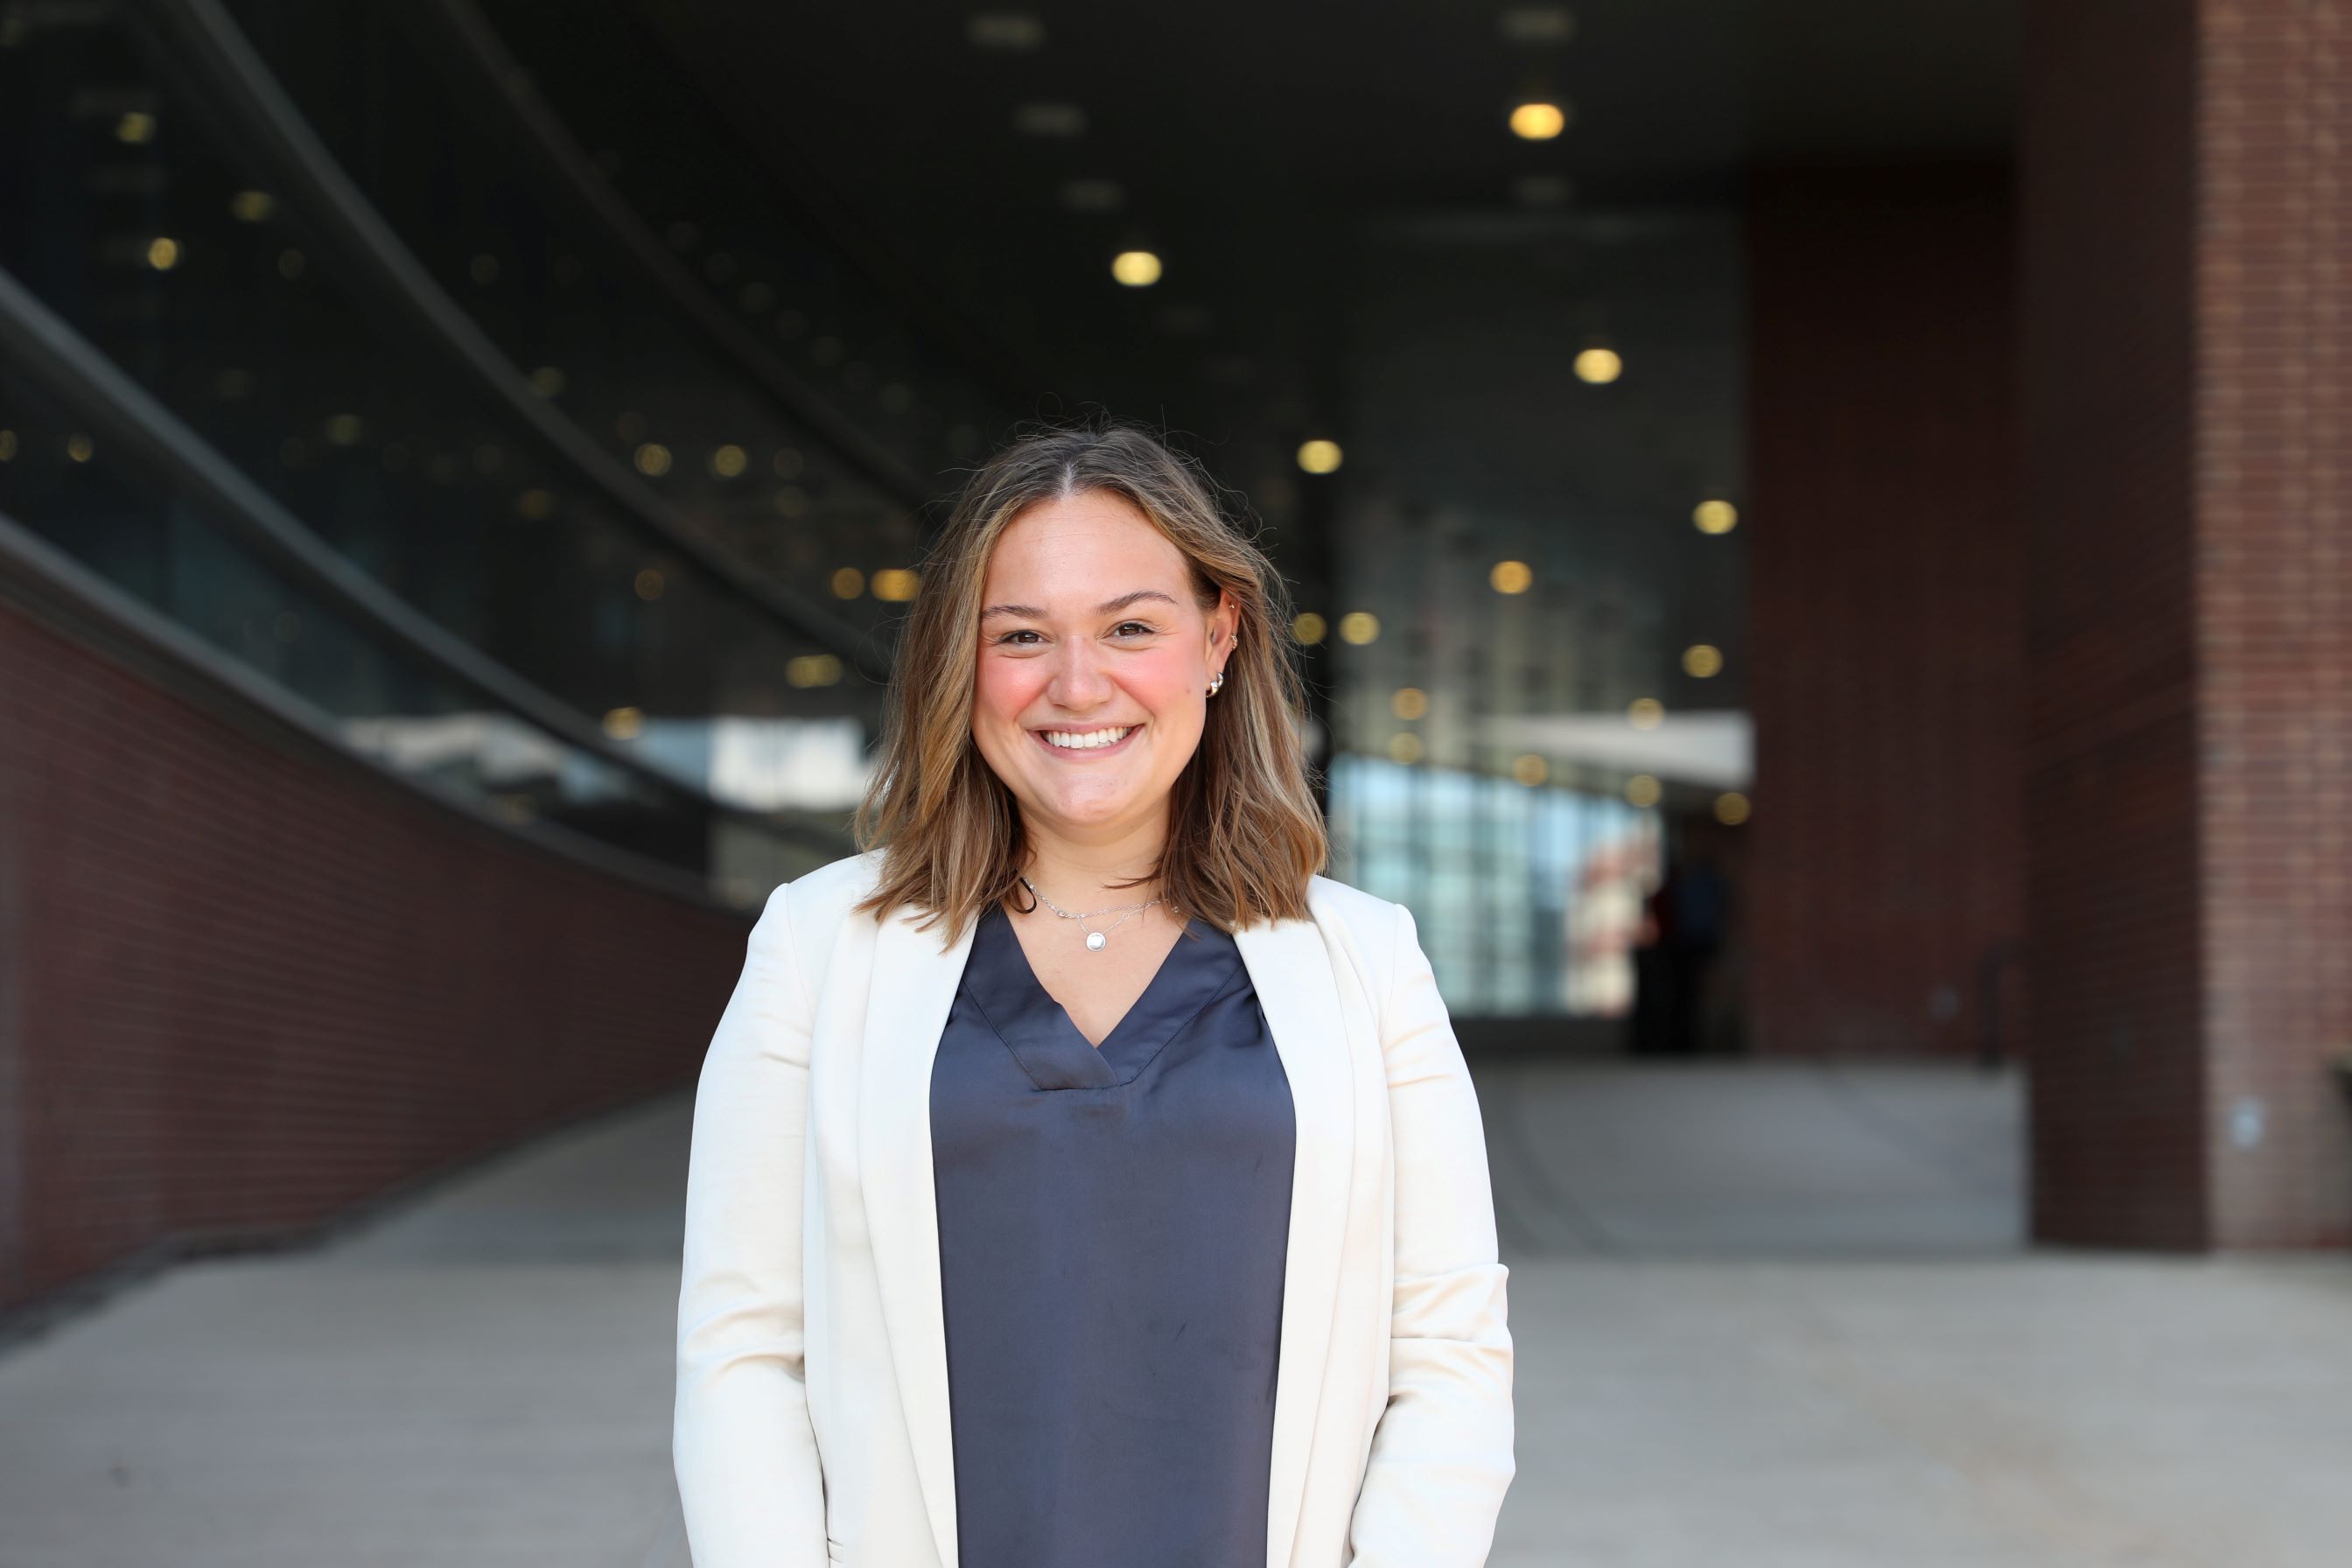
(1039, 1031)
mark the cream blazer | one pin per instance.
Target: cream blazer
(812, 1416)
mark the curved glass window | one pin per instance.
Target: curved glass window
(420, 116)
(130, 210)
(123, 517)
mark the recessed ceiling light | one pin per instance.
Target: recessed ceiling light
(1539, 120)
(1136, 268)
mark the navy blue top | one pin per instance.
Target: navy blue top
(1112, 1228)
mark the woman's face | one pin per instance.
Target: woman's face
(1093, 665)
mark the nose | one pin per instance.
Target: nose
(1080, 680)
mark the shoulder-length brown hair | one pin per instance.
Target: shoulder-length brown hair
(1244, 831)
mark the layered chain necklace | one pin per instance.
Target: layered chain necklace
(1096, 940)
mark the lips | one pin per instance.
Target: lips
(1096, 751)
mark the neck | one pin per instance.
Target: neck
(1069, 866)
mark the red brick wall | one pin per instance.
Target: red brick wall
(2187, 457)
(2116, 1094)
(2274, 621)
(244, 985)
(1885, 609)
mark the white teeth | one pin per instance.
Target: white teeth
(1086, 740)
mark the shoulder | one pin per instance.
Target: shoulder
(1357, 907)
(1376, 928)
(823, 896)
(808, 909)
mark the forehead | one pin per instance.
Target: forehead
(1078, 541)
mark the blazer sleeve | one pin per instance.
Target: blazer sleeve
(745, 1452)
(1441, 1455)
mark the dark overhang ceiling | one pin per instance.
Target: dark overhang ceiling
(1250, 140)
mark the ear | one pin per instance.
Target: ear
(1223, 621)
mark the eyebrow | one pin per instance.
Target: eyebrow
(1106, 607)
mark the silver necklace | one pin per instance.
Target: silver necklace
(1096, 940)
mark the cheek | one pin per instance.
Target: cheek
(1001, 688)
(1162, 681)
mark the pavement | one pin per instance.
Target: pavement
(1776, 1315)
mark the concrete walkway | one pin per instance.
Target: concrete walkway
(1765, 1316)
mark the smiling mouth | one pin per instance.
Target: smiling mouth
(1087, 742)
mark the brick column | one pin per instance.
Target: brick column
(1886, 613)
(2188, 458)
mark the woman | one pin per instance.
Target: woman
(1078, 1179)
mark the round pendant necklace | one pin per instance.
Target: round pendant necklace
(1096, 940)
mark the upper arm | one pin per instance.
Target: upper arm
(742, 1259)
(750, 1480)
(1445, 1207)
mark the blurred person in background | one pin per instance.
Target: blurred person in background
(1080, 1178)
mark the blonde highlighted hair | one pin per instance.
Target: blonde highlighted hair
(1244, 831)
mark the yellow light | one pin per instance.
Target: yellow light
(547, 381)
(1538, 120)
(1530, 769)
(653, 459)
(649, 584)
(1701, 660)
(7, 445)
(814, 669)
(1359, 626)
(1409, 702)
(135, 128)
(624, 723)
(848, 582)
(1136, 268)
(252, 206)
(1716, 516)
(1307, 627)
(1642, 790)
(728, 461)
(162, 253)
(1320, 457)
(895, 583)
(1511, 576)
(1599, 366)
(535, 505)
(1405, 747)
(1731, 808)
(343, 430)
(80, 449)
(1645, 713)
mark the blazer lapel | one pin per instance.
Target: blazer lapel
(913, 987)
(1290, 967)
